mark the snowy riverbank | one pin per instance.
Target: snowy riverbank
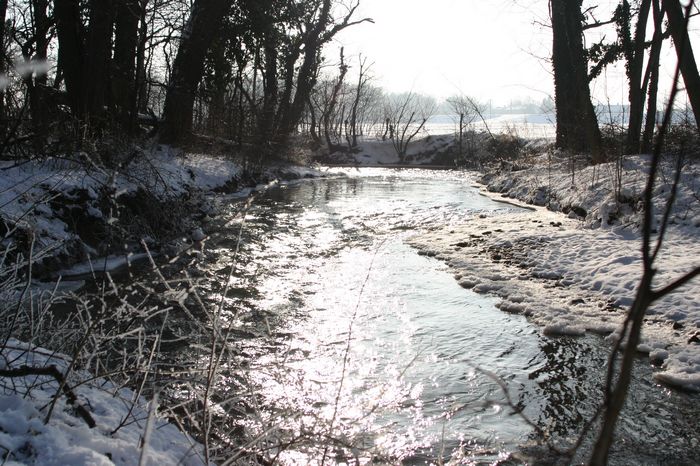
(577, 272)
(73, 210)
(55, 213)
(127, 428)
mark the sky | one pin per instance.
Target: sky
(494, 50)
(443, 47)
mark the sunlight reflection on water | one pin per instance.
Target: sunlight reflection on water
(380, 360)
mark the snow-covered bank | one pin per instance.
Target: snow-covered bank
(578, 272)
(375, 152)
(127, 431)
(73, 210)
(436, 151)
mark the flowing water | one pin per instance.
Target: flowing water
(360, 350)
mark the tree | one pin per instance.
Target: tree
(577, 126)
(467, 109)
(98, 51)
(363, 80)
(3, 58)
(126, 28)
(333, 101)
(407, 115)
(69, 29)
(677, 23)
(634, 55)
(205, 19)
(651, 76)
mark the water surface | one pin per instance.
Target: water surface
(360, 350)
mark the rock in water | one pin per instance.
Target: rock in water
(198, 235)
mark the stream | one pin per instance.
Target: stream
(360, 351)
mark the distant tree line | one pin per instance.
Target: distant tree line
(243, 70)
(576, 64)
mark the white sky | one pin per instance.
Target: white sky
(484, 48)
(491, 49)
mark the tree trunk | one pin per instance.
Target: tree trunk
(266, 123)
(285, 101)
(361, 81)
(306, 78)
(652, 76)
(577, 127)
(312, 124)
(126, 40)
(202, 27)
(98, 48)
(3, 58)
(637, 89)
(216, 116)
(330, 111)
(36, 85)
(677, 23)
(140, 102)
(69, 30)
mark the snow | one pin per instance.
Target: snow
(377, 152)
(27, 189)
(573, 274)
(102, 265)
(27, 439)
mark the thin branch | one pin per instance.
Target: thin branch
(657, 294)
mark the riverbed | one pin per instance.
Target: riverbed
(359, 349)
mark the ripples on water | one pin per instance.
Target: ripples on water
(356, 348)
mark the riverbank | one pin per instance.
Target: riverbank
(69, 212)
(573, 264)
(434, 151)
(84, 399)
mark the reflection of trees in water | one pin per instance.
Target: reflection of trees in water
(566, 384)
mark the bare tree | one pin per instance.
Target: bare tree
(333, 101)
(468, 109)
(577, 126)
(406, 115)
(363, 80)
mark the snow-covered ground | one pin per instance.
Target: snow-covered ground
(375, 152)
(577, 272)
(127, 430)
(29, 192)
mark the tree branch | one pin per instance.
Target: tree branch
(52, 371)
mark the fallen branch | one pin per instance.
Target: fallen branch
(52, 371)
